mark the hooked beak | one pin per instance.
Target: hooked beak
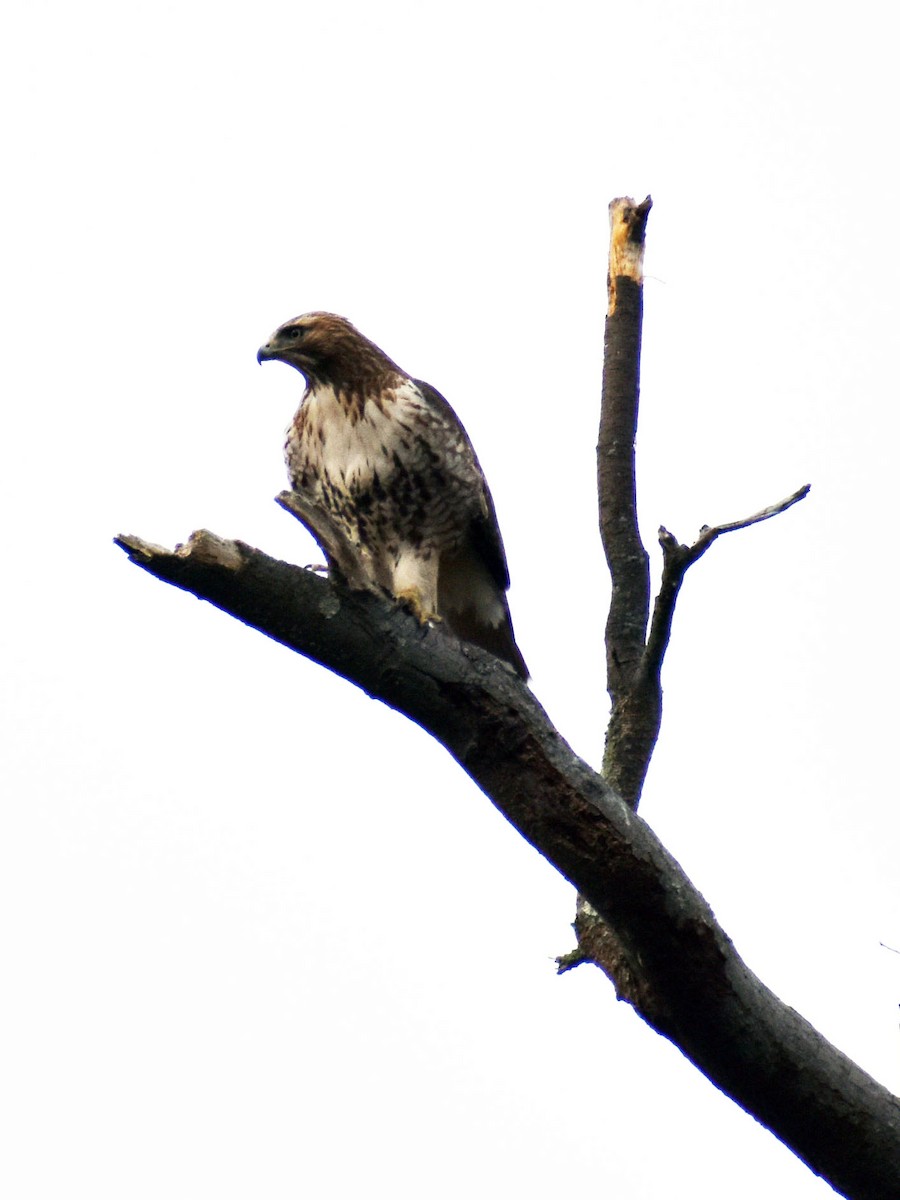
(266, 352)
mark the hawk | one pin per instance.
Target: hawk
(387, 461)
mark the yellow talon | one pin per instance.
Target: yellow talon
(412, 598)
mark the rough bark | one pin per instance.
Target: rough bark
(678, 968)
(633, 728)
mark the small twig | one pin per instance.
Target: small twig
(676, 560)
(708, 534)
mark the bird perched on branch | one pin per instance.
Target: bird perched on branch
(387, 462)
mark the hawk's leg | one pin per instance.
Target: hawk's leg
(415, 602)
(414, 582)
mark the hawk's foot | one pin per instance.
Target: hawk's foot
(413, 600)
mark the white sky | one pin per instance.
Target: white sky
(260, 936)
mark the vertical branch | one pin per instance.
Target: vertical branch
(635, 644)
(629, 741)
(634, 654)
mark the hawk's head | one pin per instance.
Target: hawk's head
(327, 349)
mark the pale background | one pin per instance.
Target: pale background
(215, 982)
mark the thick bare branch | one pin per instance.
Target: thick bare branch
(629, 564)
(629, 742)
(634, 656)
(672, 961)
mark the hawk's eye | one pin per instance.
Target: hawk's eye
(294, 333)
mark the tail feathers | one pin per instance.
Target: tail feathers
(497, 639)
(475, 608)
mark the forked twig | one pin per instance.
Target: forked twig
(676, 560)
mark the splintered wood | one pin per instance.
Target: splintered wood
(627, 229)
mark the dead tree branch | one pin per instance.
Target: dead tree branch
(634, 656)
(676, 560)
(639, 918)
(679, 969)
(628, 562)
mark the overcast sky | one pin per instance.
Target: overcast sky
(216, 982)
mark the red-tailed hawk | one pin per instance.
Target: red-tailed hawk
(388, 462)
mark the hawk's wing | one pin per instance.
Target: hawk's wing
(485, 529)
(473, 580)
